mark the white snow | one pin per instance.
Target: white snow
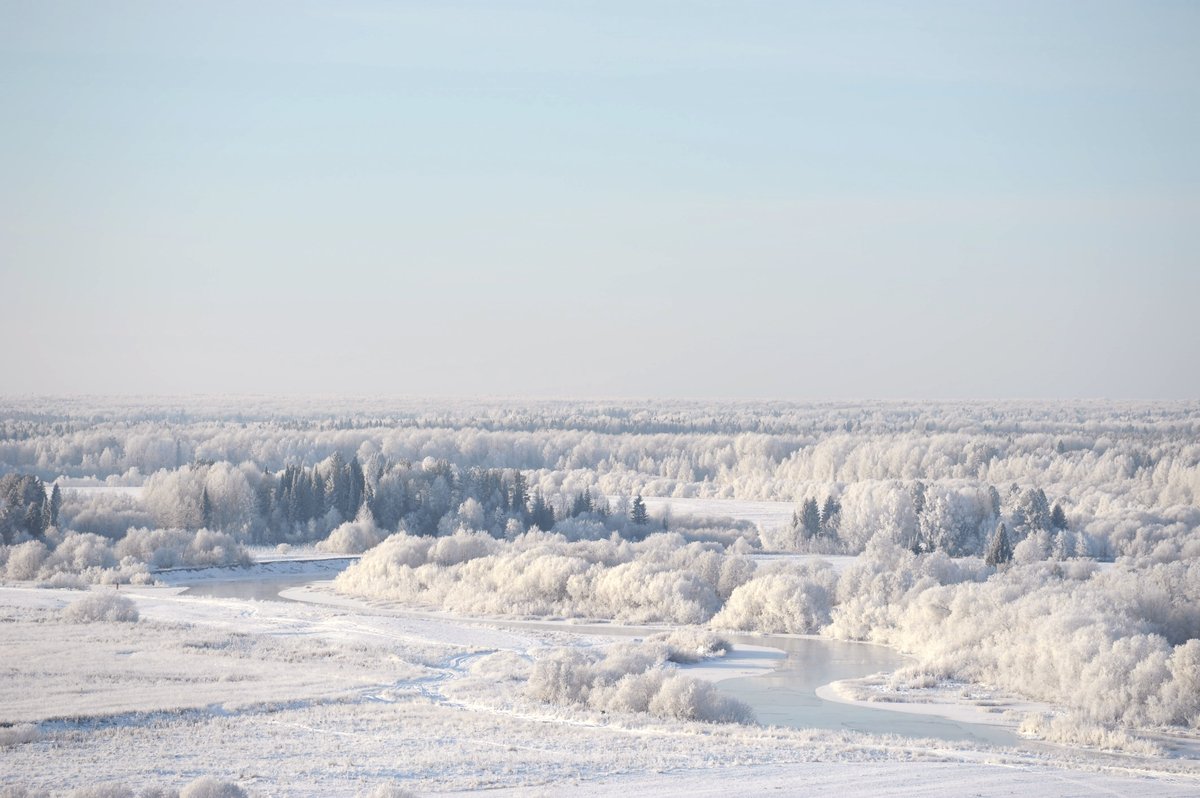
(339, 697)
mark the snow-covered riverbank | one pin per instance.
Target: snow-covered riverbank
(337, 697)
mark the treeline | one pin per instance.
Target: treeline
(1128, 475)
(960, 520)
(302, 502)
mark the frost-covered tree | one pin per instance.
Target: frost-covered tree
(637, 511)
(22, 507)
(810, 519)
(830, 515)
(206, 510)
(541, 514)
(55, 504)
(518, 493)
(1058, 519)
(1031, 514)
(999, 551)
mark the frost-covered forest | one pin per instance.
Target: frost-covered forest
(1047, 552)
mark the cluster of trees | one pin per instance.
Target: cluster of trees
(304, 502)
(811, 523)
(1111, 464)
(27, 510)
(958, 519)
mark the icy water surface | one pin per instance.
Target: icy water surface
(784, 697)
(787, 696)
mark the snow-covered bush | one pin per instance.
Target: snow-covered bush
(101, 606)
(179, 548)
(387, 791)
(690, 644)
(108, 514)
(80, 552)
(630, 678)
(659, 579)
(19, 734)
(352, 537)
(209, 787)
(25, 560)
(1074, 730)
(796, 601)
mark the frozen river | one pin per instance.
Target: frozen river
(784, 697)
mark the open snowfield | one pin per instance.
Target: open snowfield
(337, 698)
(766, 515)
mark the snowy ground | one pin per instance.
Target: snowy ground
(336, 698)
(765, 514)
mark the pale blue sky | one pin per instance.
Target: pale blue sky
(794, 200)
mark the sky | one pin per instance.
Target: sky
(680, 199)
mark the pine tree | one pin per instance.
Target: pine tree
(55, 504)
(541, 514)
(999, 551)
(1058, 519)
(810, 518)
(830, 514)
(637, 513)
(520, 493)
(582, 503)
(206, 510)
(994, 501)
(357, 486)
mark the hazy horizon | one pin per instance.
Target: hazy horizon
(773, 200)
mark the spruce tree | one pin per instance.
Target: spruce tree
(637, 513)
(206, 510)
(55, 504)
(829, 516)
(999, 551)
(541, 514)
(810, 518)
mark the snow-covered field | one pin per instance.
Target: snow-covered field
(340, 697)
(765, 515)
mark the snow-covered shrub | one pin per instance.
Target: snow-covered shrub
(630, 678)
(80, 552)
(157, 791)
(21, 791)
(209, 787)
(688, 645)
(794, 601)
(460, 547)
(108, 514)
(659, 579)
(178, 548)
(101, 606)
(1074, 730)
(695, 699)
(25, 560)
(18, 734)
(387, 791)
(352, 537)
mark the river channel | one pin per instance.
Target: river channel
(784, 697)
